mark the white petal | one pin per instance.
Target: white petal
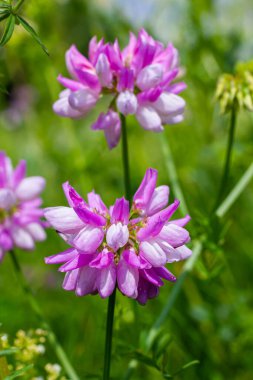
(22, 238)
(29, 188)
(63, 219)
(36, 231)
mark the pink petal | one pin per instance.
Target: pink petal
(149, 76)
(153, 253)
(29, 188)
(86, 282)
(158, 201)
(146, 189)
(117, 236)
(127, 103)
(149, 119)
(63, 219)
(120, 211)
(127, 279)
(106, 281)
(70, 280)
(88, 239)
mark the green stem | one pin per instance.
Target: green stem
(109, 332)
(18, 5)
(125, 158)
(111, 301)
(226, 170)
(37, 310)
(236, 192)
(173, 174)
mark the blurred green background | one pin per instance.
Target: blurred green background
(212, 320)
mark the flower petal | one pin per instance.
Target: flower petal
(29, 188)
(86, 282)
(88, 239)
(153, 253)
(127, 279)
(63, 219)
(143, 195)
(117, 236)
(120, 211)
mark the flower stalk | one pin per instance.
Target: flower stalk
(112, 298)
(227, 164)
(60, 353)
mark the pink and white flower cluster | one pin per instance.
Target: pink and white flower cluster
(122, 247)
(141, 79)
(20, 212)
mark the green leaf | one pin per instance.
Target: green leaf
(4, 15)
(10, 351)
(19, 373)
(9, 28)
(146, 360)
(32, 32)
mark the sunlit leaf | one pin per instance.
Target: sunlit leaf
(32, 32)
(8, 31)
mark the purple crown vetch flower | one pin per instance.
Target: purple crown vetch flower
(141, 79)
(122, 247)
(20, 211)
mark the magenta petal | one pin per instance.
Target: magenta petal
(156, 222)
(127, 279)
(106, 281)
(71, 194)
(89, 217)
(151, 276)
(120, 212)
(158, 201)
(165, 273)
(146, 189)
(70, 280)
(86, 283)
(181, 222)
(6, 242)
(131, 258)
(95, 202)
(102, 260)
(62, 257)
(19, 173)
(78, 261)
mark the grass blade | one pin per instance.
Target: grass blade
(32, 32)
(9, 28)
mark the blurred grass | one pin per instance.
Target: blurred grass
(212, 320)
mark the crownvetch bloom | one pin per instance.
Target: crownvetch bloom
(141, 78)
(20, 212)
(119, 246)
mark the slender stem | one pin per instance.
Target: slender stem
(109, 332)
(125, 158)
(236, 192)
(111, 301)
(171, 167)
(18, 5)
(226, 170)
(36, 308)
